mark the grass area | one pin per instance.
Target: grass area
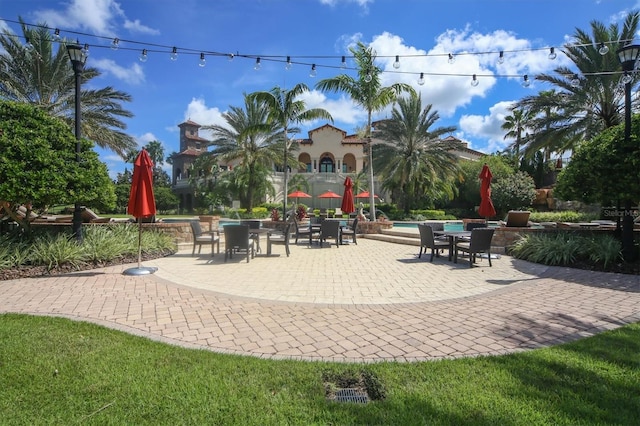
(57, 371)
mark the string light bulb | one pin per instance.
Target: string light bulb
(343, 64)
(115, 44)
(501, 57)
(474, 81)
(626, 78)
(202, 61)
(85, 49)
(575, 81)
(604, 49)
(28, 44)
(525, 81)
(288, 65)
(451, 59)
(257, 65)
(230, 57)
(421, 79)
(368, 77)
(552, 53)
(174, 54)
(396, 64)
(143, 56)
(56, 35)
(313, 71)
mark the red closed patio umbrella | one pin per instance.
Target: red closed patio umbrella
(486, 208)
(142, 203)
(347, 198)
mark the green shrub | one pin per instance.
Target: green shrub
(566, 248)
(562, 216)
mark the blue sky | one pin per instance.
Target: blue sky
(421, 32)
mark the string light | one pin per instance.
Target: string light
(28, 44)
(474, 81)
(421, 79)
(575, 81)
(525, 81)
(368, 77)
(257, 65)
(601, 47)
(143, 56)
(202, 61)
(288, 66)
(604, 49)
(313, 72)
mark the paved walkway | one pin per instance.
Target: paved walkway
(374, 301)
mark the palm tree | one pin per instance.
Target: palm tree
(515, 125)
(583, 104)
(253, 151)
(366, 91)
(284, 110)
(413, 161)
(40, 76)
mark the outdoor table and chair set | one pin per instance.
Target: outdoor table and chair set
(474, 240)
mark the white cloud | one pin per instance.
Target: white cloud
(362, 3)
(342, 109)
(132, 75)
(487, 127)
(199, 112)
(136, 26)
(97, 16)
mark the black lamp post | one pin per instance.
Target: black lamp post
(78, 59)
(628, 56)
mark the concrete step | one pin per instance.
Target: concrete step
(407, 239)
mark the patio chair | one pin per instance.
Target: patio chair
(330, 229)
(428, 241)
(351, 230)
(480, 242)
(302, 231)
(237, 239)
(201, 237)
(517, 218)
(277, 237)
(254, 226)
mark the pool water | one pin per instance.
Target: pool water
(448, 226)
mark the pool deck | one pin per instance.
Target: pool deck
(371, 302)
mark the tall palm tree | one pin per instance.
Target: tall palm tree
(368, 92)
(43, 76)
(585, 103)
(285, 109)
(253, 151)
(413, 160)
(515, 125)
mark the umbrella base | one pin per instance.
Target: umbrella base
(140, 270)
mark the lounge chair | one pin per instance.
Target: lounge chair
(278, 237)
(201, 237)
(517, 218)
(351, 231)
(237, 239)
(330, 229)
(428, 241)
(480, 242)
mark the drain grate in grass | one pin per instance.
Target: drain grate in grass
(358, 387)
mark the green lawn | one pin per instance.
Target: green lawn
(57, 371)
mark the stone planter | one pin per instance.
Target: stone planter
(212, 221)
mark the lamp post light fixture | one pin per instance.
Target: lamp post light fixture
(628, 57)
(78, 58)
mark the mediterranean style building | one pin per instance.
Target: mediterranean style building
(327, 156)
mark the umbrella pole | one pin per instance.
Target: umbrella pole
(139, 241)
